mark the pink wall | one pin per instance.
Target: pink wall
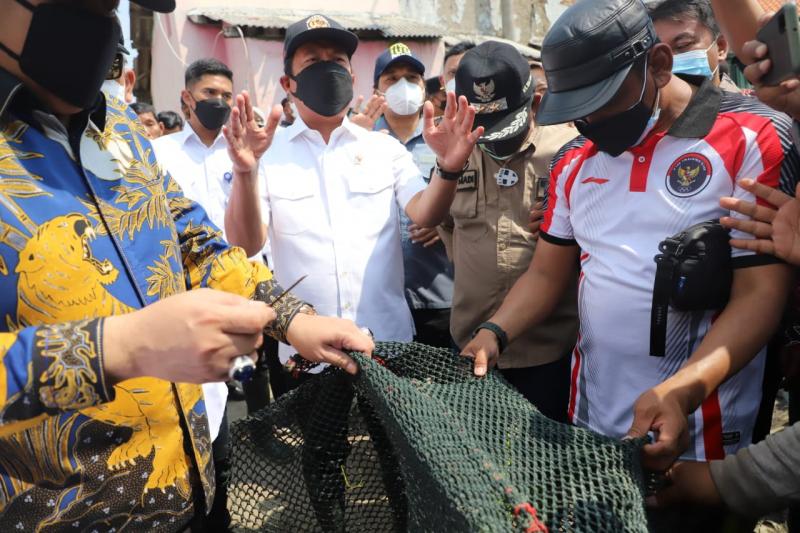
(261, 75)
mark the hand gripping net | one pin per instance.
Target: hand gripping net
(416, 443)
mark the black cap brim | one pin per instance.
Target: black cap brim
(566, 106)
(502, 126)
(162, 6)
(347, 40)
(415, 63)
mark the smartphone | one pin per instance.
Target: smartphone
(782, 38)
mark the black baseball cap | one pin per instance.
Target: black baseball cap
(588, 53)
(318, 28)
(497, 82)
(397, 53)
(162, 6)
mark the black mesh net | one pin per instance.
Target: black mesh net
(416, 443)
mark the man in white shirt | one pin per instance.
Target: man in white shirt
(197, 157)
(331, 189)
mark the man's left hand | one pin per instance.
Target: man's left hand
(664, 415)
(453, 138)
(323, 339)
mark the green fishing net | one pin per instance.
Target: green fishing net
(416, 443)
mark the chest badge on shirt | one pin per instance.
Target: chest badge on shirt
(689, 175)
(468, 180)
(506, 177)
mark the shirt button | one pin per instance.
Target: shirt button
(642, 159)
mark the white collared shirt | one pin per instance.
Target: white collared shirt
(332, 212)
(205, 173)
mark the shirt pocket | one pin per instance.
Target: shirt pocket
(372, 200)
(295, 206)
(464, 211)
(465, 204)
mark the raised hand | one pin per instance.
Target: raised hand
(776, 230)
(367, 117)
(783, 97)
(247, 142)
(453, 138)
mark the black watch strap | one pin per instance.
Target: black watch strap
(502, 337)
(447, 176)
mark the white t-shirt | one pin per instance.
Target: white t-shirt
(618, 210)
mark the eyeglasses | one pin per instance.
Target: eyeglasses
(116, 68)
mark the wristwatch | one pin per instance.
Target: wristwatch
(447, 176)
(502, 337)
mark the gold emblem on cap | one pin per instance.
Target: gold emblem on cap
(316, 22)
(399, 49)
(484, 91)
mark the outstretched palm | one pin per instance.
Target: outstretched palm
(453, 138)
(786, 231)
(776, 231)
(247, 142)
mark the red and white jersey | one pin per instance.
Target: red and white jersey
(618, 210)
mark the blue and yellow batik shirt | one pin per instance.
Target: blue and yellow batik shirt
(91, 226)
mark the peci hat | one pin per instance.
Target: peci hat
(318, 28)
(497, 82)
(397, 53)
(588, 53)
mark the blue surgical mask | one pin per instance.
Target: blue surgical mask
(693, 63)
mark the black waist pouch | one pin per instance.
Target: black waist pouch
(694, 274)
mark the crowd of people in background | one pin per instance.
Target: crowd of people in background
(529, 213)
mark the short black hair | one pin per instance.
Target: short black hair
(699, 10)
(284, 102)
(141, 108)
(459, 48)
(206, 66)
(170, 120)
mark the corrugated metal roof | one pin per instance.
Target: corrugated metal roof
(528, 52)
(387, 26)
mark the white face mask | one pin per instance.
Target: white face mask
(115, 89)
(450, 86)
(293, 107)
(404, 97)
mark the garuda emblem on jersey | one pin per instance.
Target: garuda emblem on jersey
(689, 175)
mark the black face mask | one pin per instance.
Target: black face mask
(507, 148)
(325, 88)
(616, 134)
(212, 113)
(68, 51)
